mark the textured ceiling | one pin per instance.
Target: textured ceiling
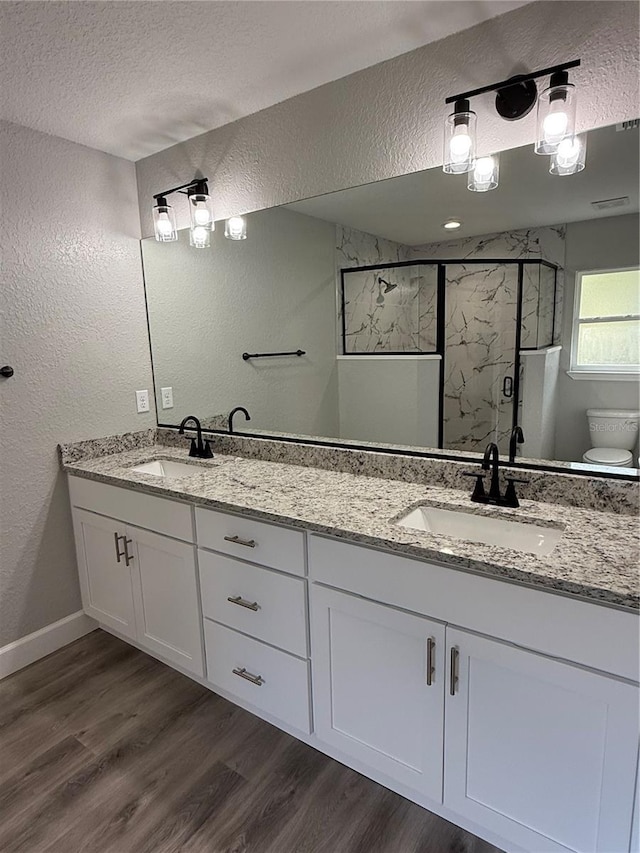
(133, 78)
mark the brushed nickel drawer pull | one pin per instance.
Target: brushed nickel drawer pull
(453, 673)
(254, 679)
(119, 554)
(250, 543)
(242, 602)
(128, 558)
(431, 667)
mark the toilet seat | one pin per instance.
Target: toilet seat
(609, 456)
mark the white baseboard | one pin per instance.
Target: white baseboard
(31, 648)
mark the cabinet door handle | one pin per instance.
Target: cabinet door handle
(431, 647)
(249, 543)
(242, 602)
(453, 672)
(254, 679)
(119, 554)
(128, 558)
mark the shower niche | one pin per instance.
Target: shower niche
(473, 340)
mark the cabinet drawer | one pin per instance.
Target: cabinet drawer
(164, 516)
(271, 606)
(252, 540)
(282, 687)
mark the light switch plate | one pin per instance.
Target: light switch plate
(142, 401)
(167, 398)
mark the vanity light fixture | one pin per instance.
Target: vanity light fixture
(200, 207)
(164, 221)
(515, 98)
(484, 175)
(460, 139)
(556, 114)
(452, 224)
(235, 228)
(200, 213)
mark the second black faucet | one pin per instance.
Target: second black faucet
(199, 449)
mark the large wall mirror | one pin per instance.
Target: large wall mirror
(400, 331)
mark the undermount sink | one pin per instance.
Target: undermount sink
(167, 468)
(529, 538)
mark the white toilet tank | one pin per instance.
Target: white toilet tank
(616, 428)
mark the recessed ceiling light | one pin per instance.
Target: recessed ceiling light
(451, 224)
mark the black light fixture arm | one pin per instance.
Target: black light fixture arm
(199, 184)
(519, 78)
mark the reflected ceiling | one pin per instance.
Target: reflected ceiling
(411, 209)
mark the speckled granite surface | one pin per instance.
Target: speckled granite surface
(567, 489)
(597, 558)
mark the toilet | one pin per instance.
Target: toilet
(614, 434)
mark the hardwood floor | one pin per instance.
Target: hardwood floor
(105, 750)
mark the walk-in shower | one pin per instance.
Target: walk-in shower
(478, 317)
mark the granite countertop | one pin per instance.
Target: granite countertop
(597, 558)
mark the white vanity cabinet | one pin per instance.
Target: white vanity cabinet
(539, 751)
(378, 676)
(505, 709)
(139, 583)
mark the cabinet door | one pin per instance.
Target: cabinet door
(371, 694)
(166, 595)
(542, 752)
(105, 578)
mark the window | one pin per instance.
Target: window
(606, 322)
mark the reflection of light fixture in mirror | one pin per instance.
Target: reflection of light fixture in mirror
(460, 139)
(556, 113)
(452, 224)
(484, 175)
(235, 228)
(570, 156)
(200, 237)
(164, 221)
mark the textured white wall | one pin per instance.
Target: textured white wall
(387, 120)
(597, 244)
(73, 327)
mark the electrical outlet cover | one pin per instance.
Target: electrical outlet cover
(142, 401)
(167, 397)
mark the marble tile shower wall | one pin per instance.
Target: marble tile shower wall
(396, 315)
(547, 243)
(480, 326)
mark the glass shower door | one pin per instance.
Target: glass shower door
(479, 354)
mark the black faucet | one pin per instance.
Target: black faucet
(517, 437)
(200, 449)
(233, 412)
(491, 460)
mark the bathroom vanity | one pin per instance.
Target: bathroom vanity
(497, 688)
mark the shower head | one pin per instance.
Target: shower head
(388, 286)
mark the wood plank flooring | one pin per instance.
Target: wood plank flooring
(105, 750)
